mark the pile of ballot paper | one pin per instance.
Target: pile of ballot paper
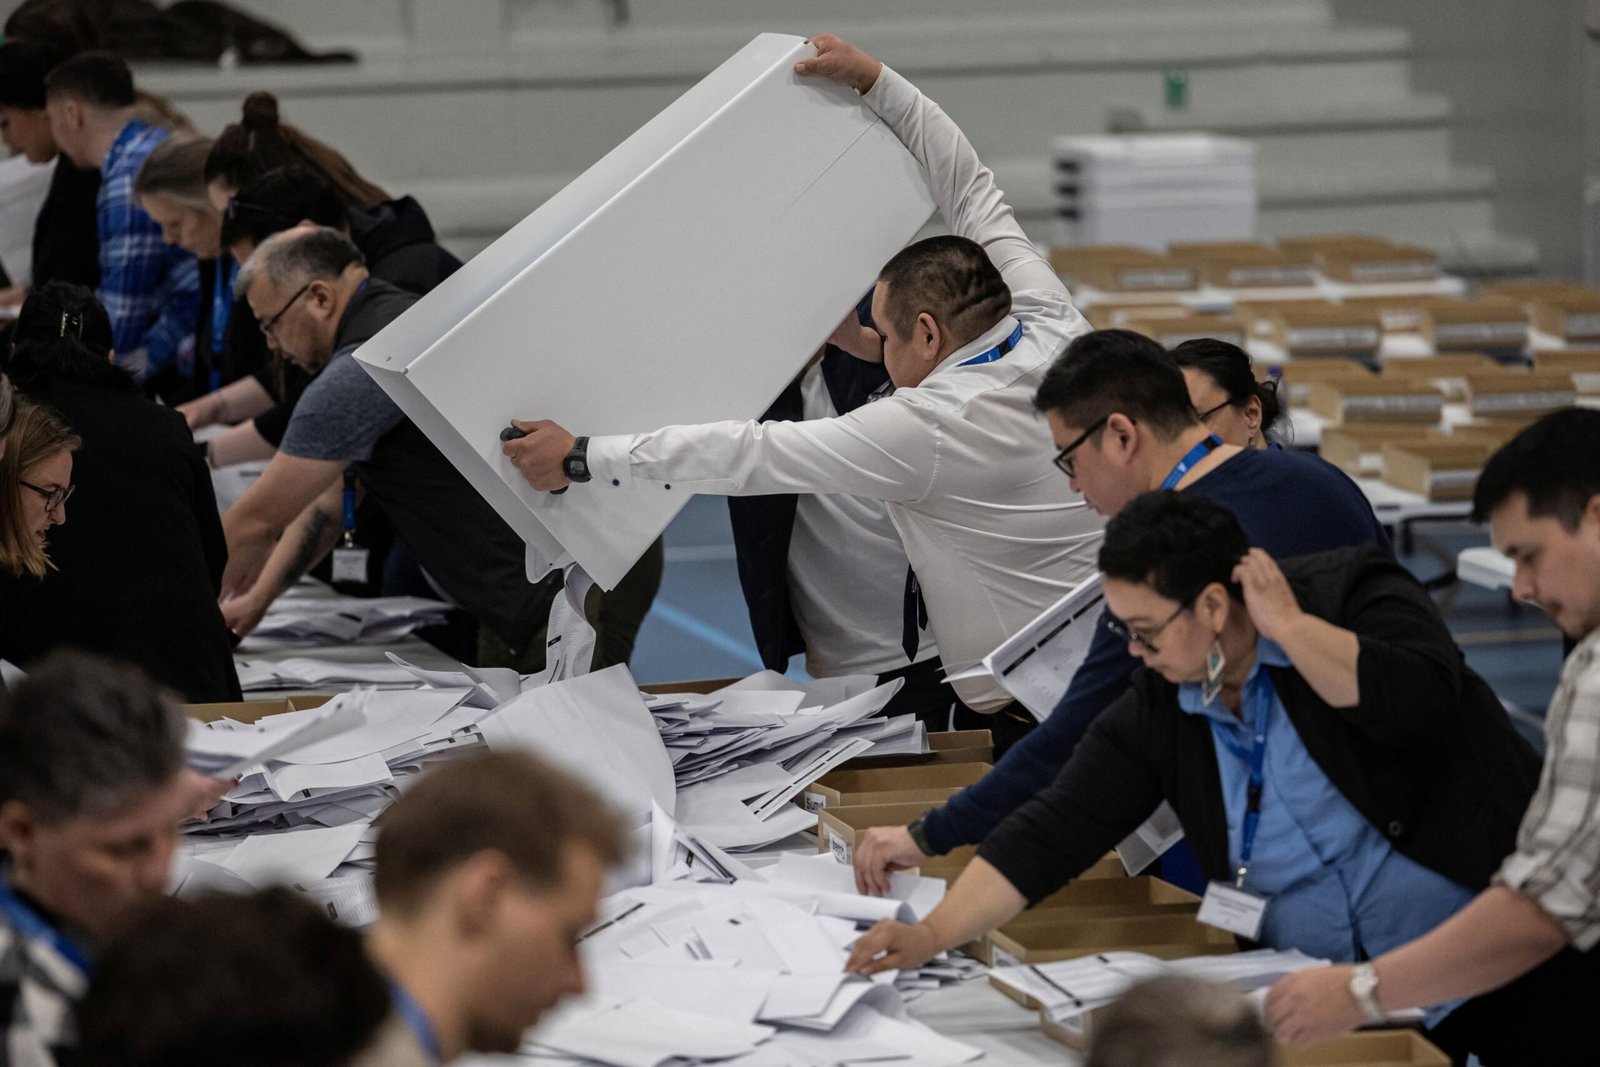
(330, 620)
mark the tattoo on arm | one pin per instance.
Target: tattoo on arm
(315, 540)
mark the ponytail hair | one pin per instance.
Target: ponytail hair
(62, 331)
(1229, 367)
(260, 141)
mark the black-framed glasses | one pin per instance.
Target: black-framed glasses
(1208, 412)
(268, 326)
(53, 498)
(1142, 637)
(1063, 460)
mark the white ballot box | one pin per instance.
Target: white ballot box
(686, 277)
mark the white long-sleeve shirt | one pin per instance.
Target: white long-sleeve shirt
(963, 460)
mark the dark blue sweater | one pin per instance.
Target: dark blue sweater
(1289, 503)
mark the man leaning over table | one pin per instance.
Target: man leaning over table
(1541, 495)
(967, 326)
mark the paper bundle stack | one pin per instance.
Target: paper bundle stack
(345, 619)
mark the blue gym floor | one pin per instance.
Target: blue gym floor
(698, 627)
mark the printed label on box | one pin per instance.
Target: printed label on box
(842, 850)
(1453, 479)
(1521, 401)
(1586, 381)
(1585, 325)
(1393, 403)
(1156, 279)
(1481, 333)
(815, 801)
(1269, 277)
(1334, 337)
(999, 957)
(1399, 271)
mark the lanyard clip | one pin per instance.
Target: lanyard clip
(1238, 881)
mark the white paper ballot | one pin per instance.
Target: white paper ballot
(1036, 664)
(716, 203)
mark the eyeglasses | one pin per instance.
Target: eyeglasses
(1208, 412)
(1141, 637)
(1063, 460)
(53, 498)
(267, 327)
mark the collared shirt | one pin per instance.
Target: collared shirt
(39, 987)
(963, 460)
(1336, 887)
(1557, 861)
(150, 289)
(847, 573)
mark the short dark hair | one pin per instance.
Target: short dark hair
(67, 24)
(62, 330)
(82, 735)
(1229, 367)
(98, 79)
(950, 278)
(1176, 543)
(513, 803)
(1105, 372)
(23, 68)
(278, 200)
(1179, 1021)
(264, 980)
(1555, 463)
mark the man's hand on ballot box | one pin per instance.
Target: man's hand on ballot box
(841, 61)
(538, 455)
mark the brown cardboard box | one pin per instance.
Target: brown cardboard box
(891, 785)
(1378, 264)
(840, 828)
(1312, 243)
(251, 710)
(1520, 397)
(1569, 316)
(1438, 470)
(1529, 290)
(1166, 937)
(1298, 377)
(1258, 315)
(1376, 399)
(945, 746)
(1108, 898)
(1247, 265)
(1447, 373)
(1493, 434)
(1357, 448)
(1309, 330)
(1113, 316)
(1121, 269)
(1170, 332)
(1369, 1048)
(1492, 325)
(1402, 314)
(1583, 365)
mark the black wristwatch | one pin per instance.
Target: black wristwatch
(576, 465)
(920, 838)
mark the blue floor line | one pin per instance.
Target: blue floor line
(712, 636)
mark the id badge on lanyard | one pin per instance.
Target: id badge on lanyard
(1232, 907)
(349, 562)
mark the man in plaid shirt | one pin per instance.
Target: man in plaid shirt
(1527, 942)
(92, 792)
(150, 289)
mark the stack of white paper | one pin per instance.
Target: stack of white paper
(344, 620)
(310, 672)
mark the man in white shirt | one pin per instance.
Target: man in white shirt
(967, 326)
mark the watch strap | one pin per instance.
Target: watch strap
(1364, 991)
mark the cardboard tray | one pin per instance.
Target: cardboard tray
(1297, 377)
(1357, 448)
(1311, 330)
(1378, 264)
(1121, 269)
(1494, 325)
(1583, 365)
(945, 746)
(251, 710)
(1165, 936)
(1570, 316)
(1448, 373)
(1172, 331)
(891, 785)
(1367, 1048)
(1518, 396)
(1438, 470)
(1377, 399)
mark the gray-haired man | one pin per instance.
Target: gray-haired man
(92, 793)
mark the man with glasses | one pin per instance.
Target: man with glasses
(312, 295)
(1120, 412)
(965, 326)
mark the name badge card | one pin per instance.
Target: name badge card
(1234, 910)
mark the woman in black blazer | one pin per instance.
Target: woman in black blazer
(139, 567)
(1322, 702)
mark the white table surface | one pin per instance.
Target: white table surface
(1485, 566)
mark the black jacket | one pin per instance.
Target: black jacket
(139, 560)
(66, 235)
(1428, 757)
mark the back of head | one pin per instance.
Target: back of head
(294, 257)
(24, 65)
(1554, 464)
(258, 981)
(1229, 367)
(81, 736)
(68, 25)
(1176, 543)
(512, 803)
(950, 278)
(1176, 1021)
(176, 169)
(36, 434)
(278, 200)
(62, 329)
(1107, 372)
(97, 80)
(260, 142)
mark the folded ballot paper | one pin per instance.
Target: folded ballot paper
(344, 620)
(759, 201)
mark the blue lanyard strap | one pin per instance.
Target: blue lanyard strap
(349, 507)
(32, 926)
(1262, 696)
(1190, 458)
(221, 302)
(996, 352)
(416, 1020)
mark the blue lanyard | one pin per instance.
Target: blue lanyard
(417, 1022)
(996, 352)
(349, 507)
(1262, 695)
(221, 310)
(31, 925)
(1190, 458)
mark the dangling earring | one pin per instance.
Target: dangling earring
(1252, 441)
(1215, 661)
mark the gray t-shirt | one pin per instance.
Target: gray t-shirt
(342, 414)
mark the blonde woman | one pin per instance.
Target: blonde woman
(36, 479)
